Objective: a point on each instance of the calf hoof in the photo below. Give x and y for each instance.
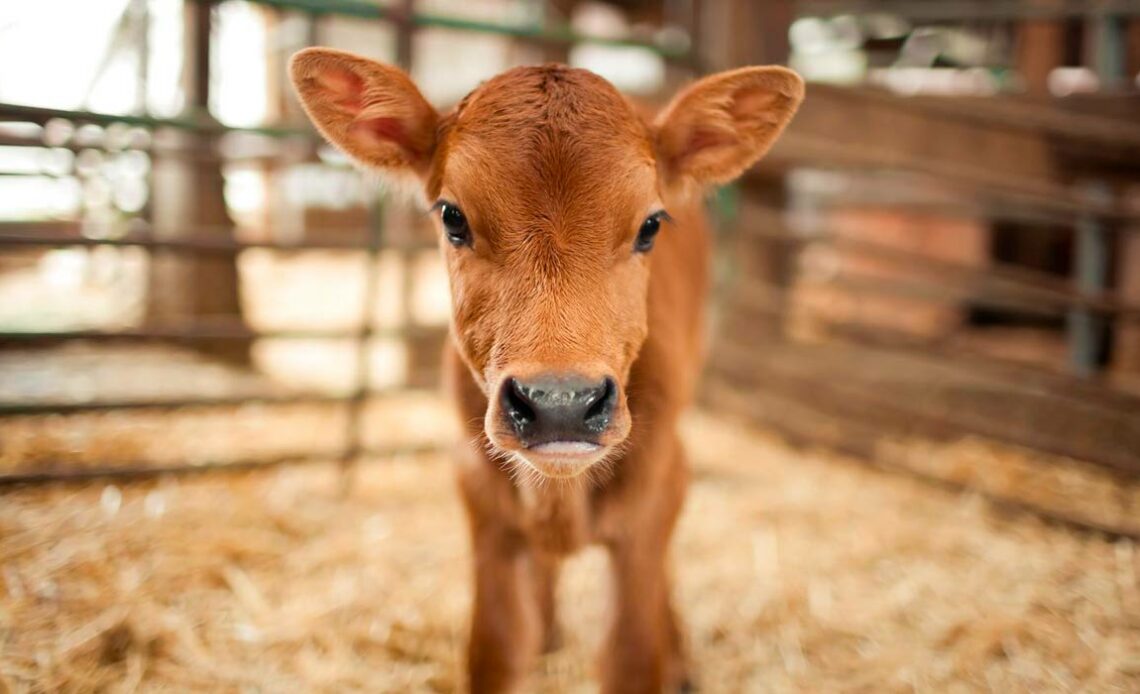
(686, 686)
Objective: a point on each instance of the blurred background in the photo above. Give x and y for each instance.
(917, 446)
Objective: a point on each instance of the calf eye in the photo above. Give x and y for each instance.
(648, 231)
(455, 225)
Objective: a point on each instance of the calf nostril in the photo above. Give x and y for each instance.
(602, 409)
(516, 405)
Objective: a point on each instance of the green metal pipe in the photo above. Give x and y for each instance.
(37, 114)
(967, 10)
(344, 8)
(559, 35)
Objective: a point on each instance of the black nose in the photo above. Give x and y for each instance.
(558, 408)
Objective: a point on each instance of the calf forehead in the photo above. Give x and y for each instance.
(553, 98)
(552, 134)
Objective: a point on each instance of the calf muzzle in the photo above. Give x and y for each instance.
(558, 409)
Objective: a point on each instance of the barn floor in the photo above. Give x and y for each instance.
(796, 571)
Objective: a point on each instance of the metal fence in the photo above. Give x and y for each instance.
(189, 243)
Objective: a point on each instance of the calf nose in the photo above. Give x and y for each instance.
(558, 408)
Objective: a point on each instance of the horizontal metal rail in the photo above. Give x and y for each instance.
(198, 243)
(137, 470)
(168, 152)
(208, 332)
(968, 10)
(41, 408)
(197, 123)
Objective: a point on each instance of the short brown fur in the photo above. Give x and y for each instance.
(555, 172)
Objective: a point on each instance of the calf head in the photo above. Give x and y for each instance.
(549, 189)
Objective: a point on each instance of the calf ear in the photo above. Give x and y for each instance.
(372, 112)
(719, 126)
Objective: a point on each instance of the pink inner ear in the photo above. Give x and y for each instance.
(756, 105)
(343, 88)
(703, 139)
(386, 130)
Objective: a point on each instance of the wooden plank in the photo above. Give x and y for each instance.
(744, 32)
(1126, 344)
(1019, 149)
(860, 127)
(804, 424)
(896, 390)
(1040, 48)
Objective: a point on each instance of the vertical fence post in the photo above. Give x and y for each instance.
(189, 194)
(1090, 250)
(354, 425)
(354, 431)
(405, 50)
(1108, 53)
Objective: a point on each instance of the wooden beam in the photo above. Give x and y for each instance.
(1027, 149)
(744, 32)
(877, 129)
(896, 391)
(192, 194)
(1040, 49)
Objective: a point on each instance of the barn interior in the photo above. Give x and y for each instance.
(224, 453)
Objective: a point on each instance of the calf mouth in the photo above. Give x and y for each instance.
(562, 459)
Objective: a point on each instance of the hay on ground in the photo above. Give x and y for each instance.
(796, 571)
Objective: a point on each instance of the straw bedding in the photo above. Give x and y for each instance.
(796, 571)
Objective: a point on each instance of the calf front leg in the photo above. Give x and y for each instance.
(642, 647)
(506, 625)
(645, 649)
(545, 579)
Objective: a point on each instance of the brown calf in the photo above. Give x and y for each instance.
(576, 328)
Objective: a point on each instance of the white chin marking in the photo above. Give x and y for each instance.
(563, 459)
(571, 448)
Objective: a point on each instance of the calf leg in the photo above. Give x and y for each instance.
(677, 677)
(638, 654)
(506, 624)
(645, 649)
(545, 585)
